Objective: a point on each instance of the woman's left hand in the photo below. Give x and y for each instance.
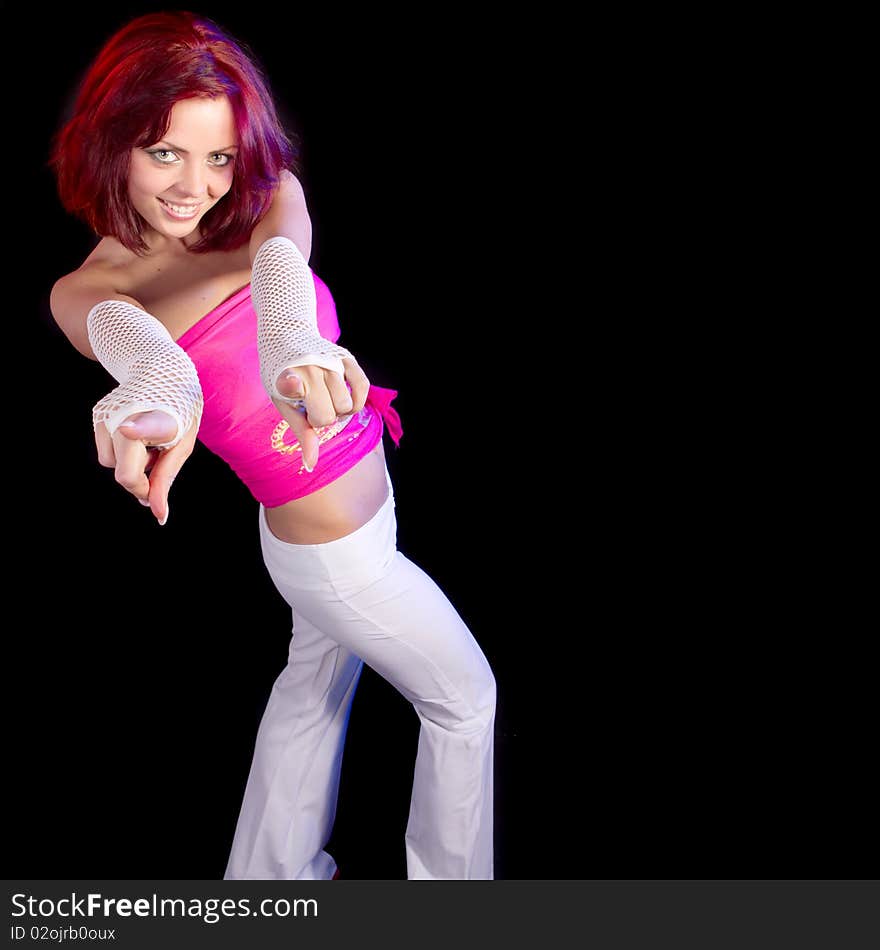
(325, 395)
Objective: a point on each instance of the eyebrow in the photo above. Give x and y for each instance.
(183, 151)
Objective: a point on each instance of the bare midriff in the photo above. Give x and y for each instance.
(336, 510)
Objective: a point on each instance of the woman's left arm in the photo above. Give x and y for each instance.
(287, 217)
(283, 295)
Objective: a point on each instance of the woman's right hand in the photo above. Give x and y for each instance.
(141, 468)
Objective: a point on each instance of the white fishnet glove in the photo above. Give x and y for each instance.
(154, 373)
(283, 295)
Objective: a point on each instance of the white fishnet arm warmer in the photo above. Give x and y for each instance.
(283, 294)
(152, 370)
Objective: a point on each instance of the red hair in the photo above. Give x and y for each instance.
(124, 101)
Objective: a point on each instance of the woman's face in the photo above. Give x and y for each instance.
(175, 181)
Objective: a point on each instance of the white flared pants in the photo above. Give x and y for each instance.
(358, 600)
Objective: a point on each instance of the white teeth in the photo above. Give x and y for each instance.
(183, 211)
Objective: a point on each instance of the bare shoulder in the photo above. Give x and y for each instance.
(289, 195)
(290, 187)
(73, 295)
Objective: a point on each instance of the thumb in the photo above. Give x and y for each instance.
(154, 426)
(290, 385)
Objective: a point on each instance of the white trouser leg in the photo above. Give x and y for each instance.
(372, 602)
(296, 766)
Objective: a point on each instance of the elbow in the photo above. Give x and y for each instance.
(76, 331)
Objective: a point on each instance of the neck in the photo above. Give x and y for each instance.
(162, 244)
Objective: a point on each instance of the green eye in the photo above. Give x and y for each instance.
(156, 152)
(161, 151)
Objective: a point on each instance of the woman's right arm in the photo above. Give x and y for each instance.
(159, 399)
(71, 299)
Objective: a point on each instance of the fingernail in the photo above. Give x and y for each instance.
(308, 468)
(167, 512)
(145, 502)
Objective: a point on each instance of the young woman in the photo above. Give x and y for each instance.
(199, 300)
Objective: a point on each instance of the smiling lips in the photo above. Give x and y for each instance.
(180, 211)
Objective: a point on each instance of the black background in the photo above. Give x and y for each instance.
(660, 712)
(145, 654)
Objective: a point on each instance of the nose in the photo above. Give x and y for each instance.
(193, 182)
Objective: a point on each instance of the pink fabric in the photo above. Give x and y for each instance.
(240, 422)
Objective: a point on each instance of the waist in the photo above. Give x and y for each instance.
(267, 457)
(339, 508)
(244, 427)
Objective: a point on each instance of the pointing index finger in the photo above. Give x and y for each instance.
(131, 459)
(304, 432)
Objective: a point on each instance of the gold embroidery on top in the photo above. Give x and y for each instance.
(325, 433)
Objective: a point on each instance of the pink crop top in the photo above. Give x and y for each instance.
(241, 424)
